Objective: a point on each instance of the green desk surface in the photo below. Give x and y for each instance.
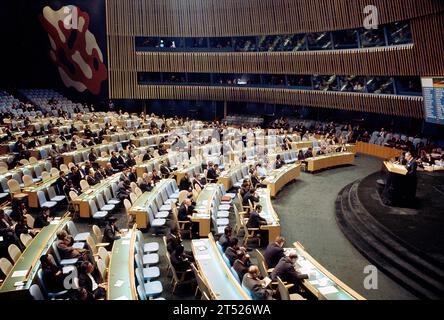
(329, 287)
(268, 212)
(215, 272)
(204, 201)
(42, 185)
(142, 203)
(30, 258)
(98, 188)
(121, 278)
(276, 174)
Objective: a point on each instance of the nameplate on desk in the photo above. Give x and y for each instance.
(126, 242)
(198, 243)
(54, 222)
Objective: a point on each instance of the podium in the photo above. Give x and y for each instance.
(400, 187)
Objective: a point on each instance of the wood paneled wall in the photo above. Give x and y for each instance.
(254, 17)
(129, 18)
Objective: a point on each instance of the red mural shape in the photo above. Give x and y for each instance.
(74, 48)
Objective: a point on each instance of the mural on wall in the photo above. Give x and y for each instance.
(74, 48)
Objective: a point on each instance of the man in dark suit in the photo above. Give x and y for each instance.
(174, 240)
(164, 170)
(212, 175)
(412, 167)
(274, 252)
(224, 239)
(184, 213)
(61, 181)
(309, 153)
(279, 163)
(256, 221)
(185, 183)
(286, 271)
(115, 162)
(255, 285)
(231, 252)
(250, 195)
(110, 233)
(242, 263)
(109, 169)
(91, 179)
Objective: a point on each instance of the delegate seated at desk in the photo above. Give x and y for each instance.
(286, 271)
(256, 285)
(250, 195)
(255, 221)
(111, 233)
(274, 252)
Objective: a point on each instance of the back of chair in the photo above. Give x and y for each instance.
(200, 282)
(283, 291)
(25, 239)
(84, 185)
(73, 195)
(30, 220)
(41, 196)
(33, 160)
(36, 292)
(54, 172)
(45, 175)
(14, 186)
(104, 255)
(102, 269)
(91, 244)
(14, 252)
(133, 197)
(27, 181)
(97, 233)
(182, 196)
(5, 266)
(127, 205)
(138, 192)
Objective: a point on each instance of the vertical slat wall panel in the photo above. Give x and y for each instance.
(127, 19)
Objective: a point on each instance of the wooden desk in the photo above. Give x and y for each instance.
(320, 279)
(377, 150)
(203, 209)
(140, 207)
(302, 144)
(395, 168)
(278, 178)
(33, 200)
(149, 165)
(121, 269)
(30, 261)
(329, 161)
(192, 169)
(225, 177)
(273, 224)
(83, 200)
(215, 272)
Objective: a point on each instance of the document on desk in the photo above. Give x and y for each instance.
(199, 243)
(118, 283)
(204, 257)
(327, 290)
(19, 273)
(125, 242)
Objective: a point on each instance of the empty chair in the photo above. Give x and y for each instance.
(54, 172)
(36, 292)
(133, 198)
(149, 289)
(14, 186)
(127, 205)
(97, 233)
(43, 202)
(148, 273)
(104, 255)
(33, 160)
(14, 252)
(78, 236)
(84, 185)
(45, 175)
(109, 198)
(27, 181)
(138, 192)
(53, 196)
(96, 214)
(283, 292)
(147, 247)
(149, 258)
(5, 266)
(102, 205)
(25, 239)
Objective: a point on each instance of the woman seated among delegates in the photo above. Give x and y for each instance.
(66, 251)
(91, 281)
(255, 285)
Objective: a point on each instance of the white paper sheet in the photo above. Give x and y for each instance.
(19, 273)
(118, 283)
(204, 257)
(327, 290)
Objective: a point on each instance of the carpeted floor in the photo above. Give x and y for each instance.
(418, 225)
(307, 212)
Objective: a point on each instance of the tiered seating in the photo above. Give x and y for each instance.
(51, 101)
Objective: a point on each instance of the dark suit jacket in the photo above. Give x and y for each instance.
(255, 220)
(273, 254)
(109, 235)
(249, 196)
(184, 184)
(182, 213)
(60, 184)
(241, 268)
(258, 292)
(230, 253)
(114, 162)
(211, 174)
(172, 243)
(286, 271)
(85, 282)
